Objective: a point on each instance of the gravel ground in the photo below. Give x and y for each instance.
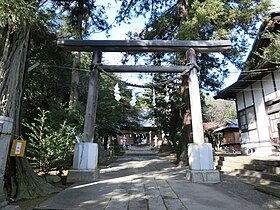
(233, 186)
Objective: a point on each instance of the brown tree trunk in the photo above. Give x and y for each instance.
(13, 64)
(187, 121)
(14, 46)
(75, 79)
(183, 9)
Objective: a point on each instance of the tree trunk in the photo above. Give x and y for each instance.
(21, 181)
(187, 121)
(75, 79)
(183, 9)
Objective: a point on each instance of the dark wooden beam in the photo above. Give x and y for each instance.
(202, 46)
(152, 69)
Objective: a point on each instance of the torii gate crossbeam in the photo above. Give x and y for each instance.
(201, 46)
(201, 157)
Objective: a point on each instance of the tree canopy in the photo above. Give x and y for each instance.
(202, 20)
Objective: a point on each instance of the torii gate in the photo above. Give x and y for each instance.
(200, 153)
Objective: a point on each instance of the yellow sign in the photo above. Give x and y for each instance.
(18, 148)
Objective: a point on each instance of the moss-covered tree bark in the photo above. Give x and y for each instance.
(21, 181)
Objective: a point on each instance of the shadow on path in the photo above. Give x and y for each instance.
(146, 182)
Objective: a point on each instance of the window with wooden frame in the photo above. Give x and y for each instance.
(247, 119)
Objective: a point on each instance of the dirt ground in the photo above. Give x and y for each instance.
(30, 204)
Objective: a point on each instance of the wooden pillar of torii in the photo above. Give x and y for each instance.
(200, 153)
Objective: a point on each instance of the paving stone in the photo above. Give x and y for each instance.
(156, 203)
(117, 204)
(142, 183)
(174, 204)
(138, 204)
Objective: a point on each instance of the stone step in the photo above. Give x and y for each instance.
(226, 168)
(265, 168)
(11, 207)
(233, 165)
(256, 174)
(273, 170)
(243, 162)
(255, 167)
(139, 148)
(234, 159)
(273, 177)
(269, 189)
(140, 154)
(263, 174)
(263, 185)
(275, 163)
(246, 173)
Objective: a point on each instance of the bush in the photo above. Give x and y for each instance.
(49, 148)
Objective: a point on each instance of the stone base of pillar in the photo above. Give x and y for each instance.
(82, 176)
(84, 163)
(212, 176)
(85, 156)
(201, 164)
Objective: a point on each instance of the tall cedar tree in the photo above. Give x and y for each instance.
(81, 17)
(16, 21)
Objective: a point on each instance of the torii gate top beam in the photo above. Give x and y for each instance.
(202, 46)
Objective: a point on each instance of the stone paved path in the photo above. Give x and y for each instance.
(142, 183)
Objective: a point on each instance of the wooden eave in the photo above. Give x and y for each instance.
(256, 69)
(243, 82)
(138, 46)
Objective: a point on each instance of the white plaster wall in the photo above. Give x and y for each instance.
(245, 138)
(248, 97)
(271, 96)
(267, 84)
(268, 88)
(254, 138)
(240, 101)
(277, 79)
(262, 119)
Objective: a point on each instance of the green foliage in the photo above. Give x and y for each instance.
(168, 116)
(271, 53)
(111, 113)
(15, 12)
(49, 148)
(132, 8)
(218, 111)
(214, 138)
(81, 18)
(207, 20)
